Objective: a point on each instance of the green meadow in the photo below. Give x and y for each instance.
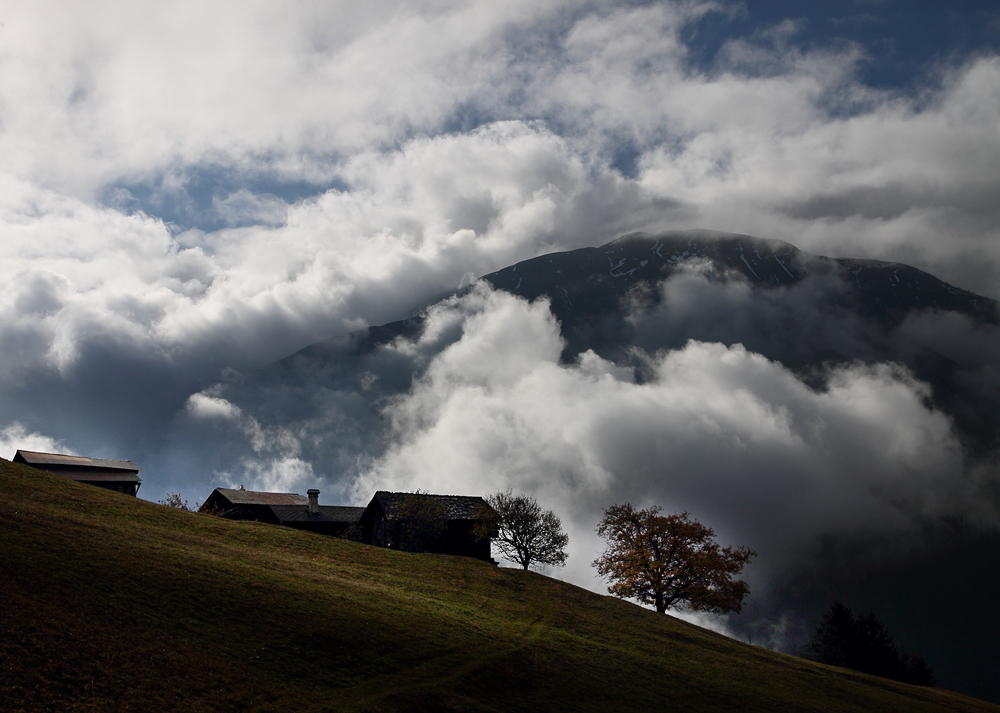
(109, 603)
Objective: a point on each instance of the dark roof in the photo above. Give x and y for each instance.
(456, 507)
(327, 513)
(37, 459)
(252, 497)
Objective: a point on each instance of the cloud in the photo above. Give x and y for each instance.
(120, 91)
(282, 475)
(233, 125)
(895, 180)
(202, 405)
(15, 437)
(812, 322)
(734, 438)
(185, 305)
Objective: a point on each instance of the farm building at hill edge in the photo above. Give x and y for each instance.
(289, 509)
(415, 522)
(122, 476)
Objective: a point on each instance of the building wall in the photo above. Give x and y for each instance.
(457, 537)
(117, 486)
(79, 475)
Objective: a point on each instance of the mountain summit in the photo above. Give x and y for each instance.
(806, 311)
(593, 290)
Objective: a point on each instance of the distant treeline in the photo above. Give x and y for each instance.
(863, 644)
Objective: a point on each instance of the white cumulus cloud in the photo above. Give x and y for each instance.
(736, 439)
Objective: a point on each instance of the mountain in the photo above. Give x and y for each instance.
(598, 286)
(805, 311)
(595, 285)
(114, 604)
(642, 294)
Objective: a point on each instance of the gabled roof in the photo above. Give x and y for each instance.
(327, 513)
(253, 497)
(456, 507)
(56, 459)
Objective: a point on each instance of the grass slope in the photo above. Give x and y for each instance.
(109, 603)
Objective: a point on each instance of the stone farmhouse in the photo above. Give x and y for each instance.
(414, 522)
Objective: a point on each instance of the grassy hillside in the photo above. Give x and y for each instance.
(109, 603)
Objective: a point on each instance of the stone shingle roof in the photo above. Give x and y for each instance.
(456, 507)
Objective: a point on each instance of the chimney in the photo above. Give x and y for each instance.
(313, 494)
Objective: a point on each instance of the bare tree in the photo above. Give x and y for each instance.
(522, 532)
(174, 500)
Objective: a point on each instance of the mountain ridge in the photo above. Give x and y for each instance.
(881, 292)
(600, 294)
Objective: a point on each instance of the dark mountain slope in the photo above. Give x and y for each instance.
(592, 289)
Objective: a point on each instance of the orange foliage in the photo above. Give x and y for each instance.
(669, 561)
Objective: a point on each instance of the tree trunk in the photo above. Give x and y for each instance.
(661, 607)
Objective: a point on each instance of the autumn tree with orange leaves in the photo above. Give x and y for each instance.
(669, 561)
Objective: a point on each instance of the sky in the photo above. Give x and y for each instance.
(192, 191)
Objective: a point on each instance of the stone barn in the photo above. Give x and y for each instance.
(420, 522)
(122, 476)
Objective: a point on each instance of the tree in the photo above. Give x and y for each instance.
(174, 500)
(522, 532)
(864, 644)
(916, 670)
(669, 561)
(876, 651)
(835, 639)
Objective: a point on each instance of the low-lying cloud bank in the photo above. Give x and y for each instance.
(736, 439)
